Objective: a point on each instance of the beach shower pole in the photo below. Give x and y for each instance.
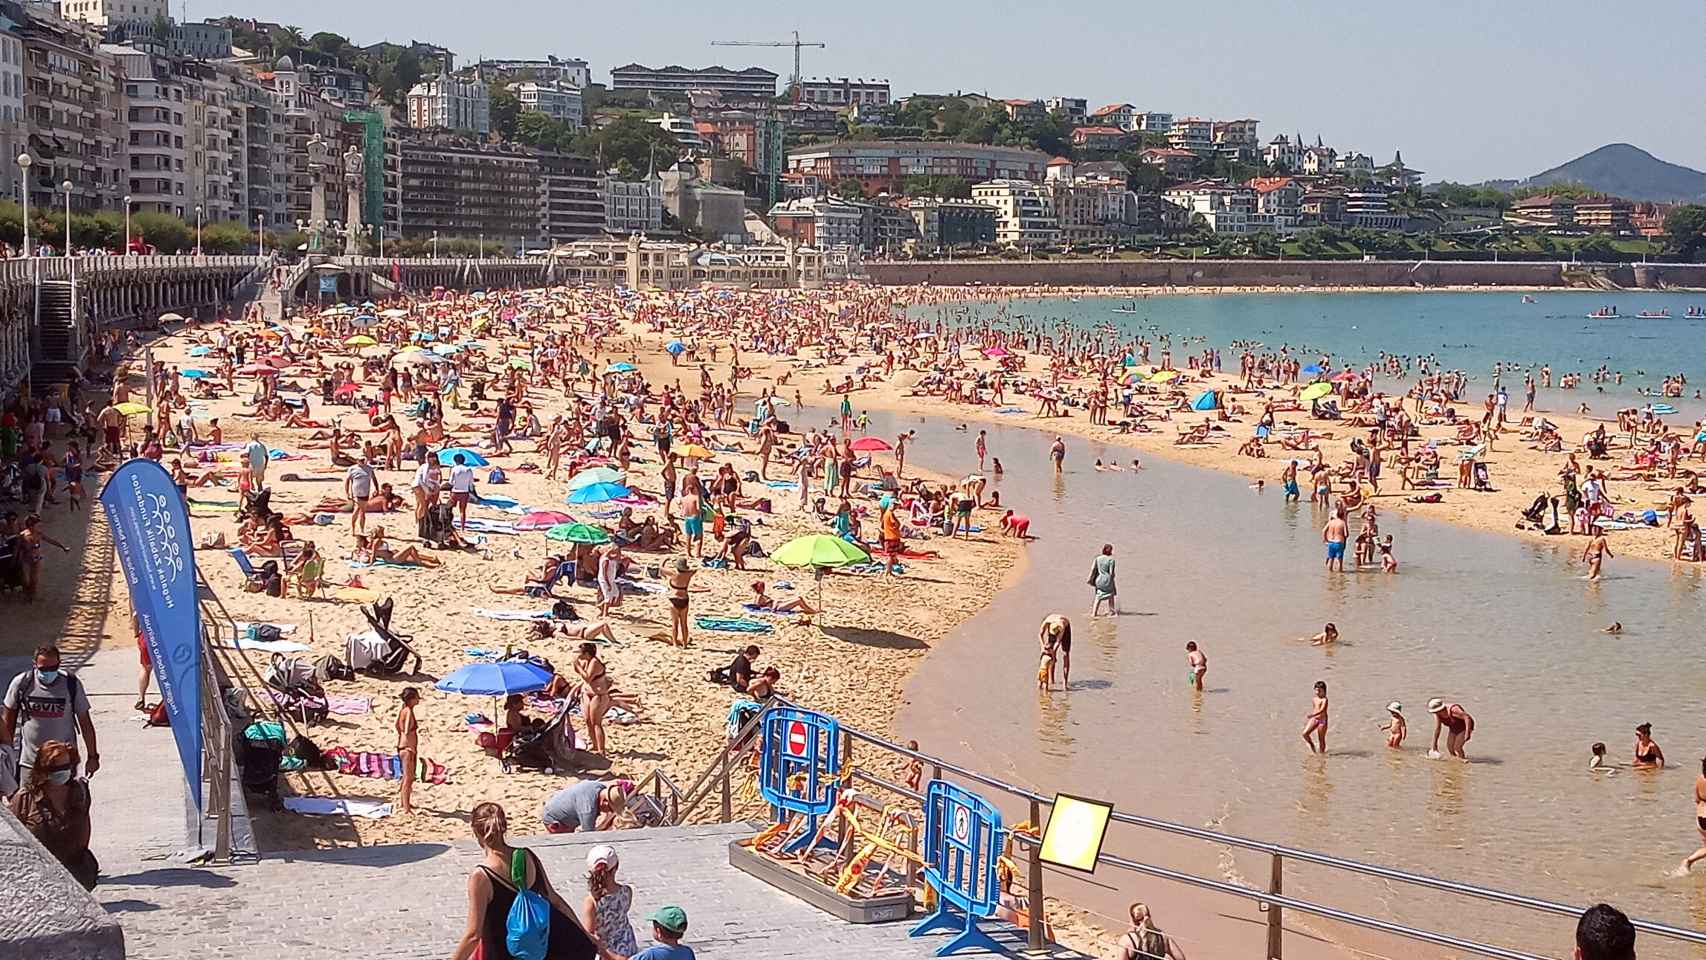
(1034, 940)
(1275, 886)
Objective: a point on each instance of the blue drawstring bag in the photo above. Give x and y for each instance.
(527, 930)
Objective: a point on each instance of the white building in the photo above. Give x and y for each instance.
(1192, 133)
(1024, 212)
(1227, 209)
(1153, 122)
(564, 71)
(844, 92)
(1283, 151)
(1279, 204)
(12, 139)
(1072, 108)
(444, 102)
(105, 12)
(684, 128)
(557, 101)
(1318, 160)
(633, 206)
(1121, 115)
(158, 127)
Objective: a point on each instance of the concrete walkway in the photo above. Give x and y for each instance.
(410, 901)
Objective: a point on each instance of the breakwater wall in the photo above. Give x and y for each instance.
(1287, 273)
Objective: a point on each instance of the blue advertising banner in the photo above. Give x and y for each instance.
(151, 535)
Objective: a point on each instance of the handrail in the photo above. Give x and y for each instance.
(742, 743)
(1272, 899)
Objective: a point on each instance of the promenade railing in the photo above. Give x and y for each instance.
(718, 778)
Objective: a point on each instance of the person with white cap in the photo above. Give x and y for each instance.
(605, 911)
(1460, 726)
(1396, 727)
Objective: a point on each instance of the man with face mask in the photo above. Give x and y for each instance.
(52, 706)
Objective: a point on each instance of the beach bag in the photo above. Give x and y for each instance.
(329, 667)
(527, 929)
(158, 716)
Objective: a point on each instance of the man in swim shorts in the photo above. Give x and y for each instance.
(1288, 480)
(1334, 534)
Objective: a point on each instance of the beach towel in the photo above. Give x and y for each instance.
(506, 504)
(327, 807)
(639, 587)
(872, 567)
(246, 628)
(492, 526)
(1012, 410)
(513, 614)
(731, 625)
(343, 706)
(266, 646)
(384, 766)
(782, 484)
(365, 565)
(919, 555)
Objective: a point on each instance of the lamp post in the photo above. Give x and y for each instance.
(198, 229)
(127, 224)
(66, 186)
(435, 244)
(261, 232)
(482, 245)
(24, 167)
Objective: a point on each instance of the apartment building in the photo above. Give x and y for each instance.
(1024, 212)
(564, 71)
(1542, 211)
(1605, 213)
(1153, 122)
(1173, 162)
(302, 114)
(1024, 111)
(1074, 109)
(1120, 115)
(571, 198)
(1225, 208)
(12, 124)
(1192, 133)
(633, 206)
(1237, 140)
(883, 165)
(454, 187)
(742, 135)
(74, 115)
(1101, 139)
(1279, 204)
(447, 103)
(840, 93)
(820, 222)
(556, 100)
(946, 224)
(104, 12)
(1369, 209)
(749, 82)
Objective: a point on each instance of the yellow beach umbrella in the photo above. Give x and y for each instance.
(360, 340)
(1162, 376)
(131, 408)
(1315, 391)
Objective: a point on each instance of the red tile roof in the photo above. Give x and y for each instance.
(1268, 184)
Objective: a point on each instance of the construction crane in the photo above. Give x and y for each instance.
(772, 121)
(796, 43)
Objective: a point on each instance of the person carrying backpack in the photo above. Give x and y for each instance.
(513, 911)
(51, 705)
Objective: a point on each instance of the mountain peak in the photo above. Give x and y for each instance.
(1627, 171)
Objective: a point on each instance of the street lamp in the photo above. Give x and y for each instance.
(66, 186)
(127, 224)
(482, 246)
(261, 232)
(435, 244)
(24, 167)
(198, 229)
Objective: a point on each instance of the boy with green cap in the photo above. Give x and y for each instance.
(669, 925)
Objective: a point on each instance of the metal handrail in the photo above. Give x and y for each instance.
(1272, 899)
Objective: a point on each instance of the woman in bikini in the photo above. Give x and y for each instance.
(408, 747)
(1648, 756)
(595, 693)
(763, 601)
(679, 582)
(377, 551)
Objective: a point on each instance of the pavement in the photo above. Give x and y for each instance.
(410, 900)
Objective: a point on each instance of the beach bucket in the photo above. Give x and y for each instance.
(654, 571)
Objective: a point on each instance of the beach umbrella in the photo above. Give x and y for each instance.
(1347, 375)
(1163, 376)
(473, 458)
(445, 349)
(1207, 400)
(1313, 369)
(995, 352)
(360, 340)
(170, 317)
(498, 679)
(395, 312)
(675, 346)
(694, 451)
(820, 551)
(871, 445)
(542, 520)
(599, 492)
(592, 475)
(258, 370)
(1315, 391)
(520, 363)
(423, 335)
(131, 408)
(578, 533)
(623, 367)
(365, 320)
(194, 373)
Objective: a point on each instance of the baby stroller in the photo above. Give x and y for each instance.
(438, 527)
(386, 657)
(548, 746)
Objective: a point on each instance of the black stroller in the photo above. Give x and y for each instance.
(398, 648)
(548, 746)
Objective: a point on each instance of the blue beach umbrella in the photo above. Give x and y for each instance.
(496, 679)
(472, 457)
(599, 492)
(623, 367)
(592, 475)
(194, 374)
(1313, 369)
(1207, 400)
(675, 346)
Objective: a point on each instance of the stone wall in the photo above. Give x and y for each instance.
(1284, 273)
(47, 915)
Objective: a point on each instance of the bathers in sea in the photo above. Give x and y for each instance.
(1336, 550)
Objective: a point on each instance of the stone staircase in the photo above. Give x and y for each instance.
(60, 347)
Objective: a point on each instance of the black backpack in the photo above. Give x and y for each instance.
(73, 688)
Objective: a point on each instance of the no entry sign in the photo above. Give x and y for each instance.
(797, 738)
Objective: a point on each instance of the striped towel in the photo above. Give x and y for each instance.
(384, 766)
(513, 614)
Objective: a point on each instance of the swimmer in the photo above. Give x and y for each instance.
(1258, 485)
(1615, 628)
(1597, 761)
(995, 465)
(1316, 719)
(1388, 563)
(1395, 728)
(1196, 663)
(1328, 636)
(1136, 464)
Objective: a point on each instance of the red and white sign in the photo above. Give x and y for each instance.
(797, 738)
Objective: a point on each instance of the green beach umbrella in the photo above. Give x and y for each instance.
(592, 475)
(1315, 391)
(578, 533)
(819, 551)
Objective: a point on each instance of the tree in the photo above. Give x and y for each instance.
(163, 232)
(630, 143)
(226, 237)
(505, 110)
(850, 189)
(936, 186)
(1685, 231)
(541, 130)
(1597, 247)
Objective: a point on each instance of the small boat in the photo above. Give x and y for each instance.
(1125, 309)
(1653, 315)
(1527, 298)
(1605, 313)
(1662, 409)
(1695, 313)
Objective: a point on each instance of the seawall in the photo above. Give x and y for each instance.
(1297, 273)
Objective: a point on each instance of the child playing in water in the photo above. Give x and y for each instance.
(1197, 664)
(1045, 667)
(1598, 761)
(1317, 719)
(1388, 563)
(1329, 635)
(1396, 727)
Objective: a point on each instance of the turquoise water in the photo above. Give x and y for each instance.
(1465, 331)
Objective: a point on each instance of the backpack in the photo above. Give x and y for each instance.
(527, 929)
(304, 749)
(329, 667)
(158, 716)
(73, 689)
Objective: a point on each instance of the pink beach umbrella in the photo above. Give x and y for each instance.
(871, 445)
(542, 520)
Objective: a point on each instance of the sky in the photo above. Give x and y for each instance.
(1468, 91)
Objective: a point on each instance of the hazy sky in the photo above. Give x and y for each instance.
(1468, 90)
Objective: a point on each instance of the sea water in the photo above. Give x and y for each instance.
(1505, 626)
